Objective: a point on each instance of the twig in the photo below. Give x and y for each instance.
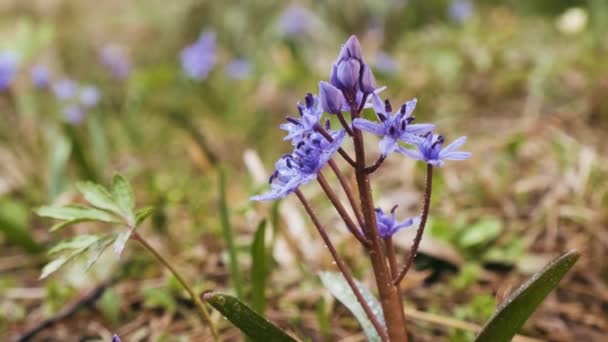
(87, 300)
(352, 227)
(348, 191)
(345, 272)
(420, 231)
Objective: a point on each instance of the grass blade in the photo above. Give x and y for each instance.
(511, 316)
(259, 270)
(235, 272)
(248, 321)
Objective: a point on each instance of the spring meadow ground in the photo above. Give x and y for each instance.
(185, 99)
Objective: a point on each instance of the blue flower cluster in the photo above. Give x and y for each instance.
(351, 88)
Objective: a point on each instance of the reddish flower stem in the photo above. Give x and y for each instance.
(343, 269)
(352, 227)
(423, 218)
(348, 191)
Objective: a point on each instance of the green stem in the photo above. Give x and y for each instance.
(197, 300)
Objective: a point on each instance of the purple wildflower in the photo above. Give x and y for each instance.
(430, 150)
(199, 58)
(73, 114)
(65, 89)
(302, 165)
(296, 20)
(460, 10)
(8, 68)
(310, 114)
(41, 76)
(385, 63)
(115, 338)
(349, 72)
(388, 224)
(393, 128)
(89, 96)
(115, 60)
(239, 69)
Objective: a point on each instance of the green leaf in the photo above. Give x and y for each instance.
(248, 321)
(98, 196)
(14, 223)
(513, 313)
(97, 249)
(483, 231)
(74, 214)
(123, 197)
(337, 285)
(235, 272)
(142, 214)
(259, 271)
(60, 155)
(121, 241)
(53, 266)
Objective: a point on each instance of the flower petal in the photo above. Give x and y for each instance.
(388, 145)
(419, 129)
(368, 126)
(414, 154)
(454, 145)
(455, 155)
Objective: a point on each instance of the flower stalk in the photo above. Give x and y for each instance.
(197, 300)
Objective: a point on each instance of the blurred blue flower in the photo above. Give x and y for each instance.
(393, 128)
(310, 114)
(41, 76)
(430, 150)
(296, 20)
(199, 58)
(73, 114)
(239, 69)
(89, 96)
(302, 165)
(115, 60)
(385, 63)
(65, 89)
(388, 224)
(460, 10)
(9, 61)
(115, 338)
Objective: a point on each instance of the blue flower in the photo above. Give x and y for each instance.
(349, 72)
(65, 89)
(302, 165)
(40, 76)
(89, 96)
(460, 10)
(115, 60)
(199, 58)
(310, 114)
(74, 114)
(8, 68)
(388, 224)
(393, 128)
(296, 20)
(115, 338)
(238, 69)
(430, 150)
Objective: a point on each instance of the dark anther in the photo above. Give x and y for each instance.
(381, 116)
(403, 109)
(391, 130)
(293, 121)
(300, 109)
(310, 100)
(394, 208)
(387, 106)
(273, 176)
(403, 123)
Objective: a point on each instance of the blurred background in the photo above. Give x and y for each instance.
(90, 88)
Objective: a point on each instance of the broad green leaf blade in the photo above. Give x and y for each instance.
(142, 214)
(121, 241)
(98, 196)
(248, 321)
(235, 272)
(79, 243)
(123, 197)
(513, 313)
(97, 249)
(258, 269)
(337, 285)
(53, 266)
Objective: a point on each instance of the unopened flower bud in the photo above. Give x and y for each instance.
(348, 74)
(368, 81)
(331, 98)
(351, 49)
